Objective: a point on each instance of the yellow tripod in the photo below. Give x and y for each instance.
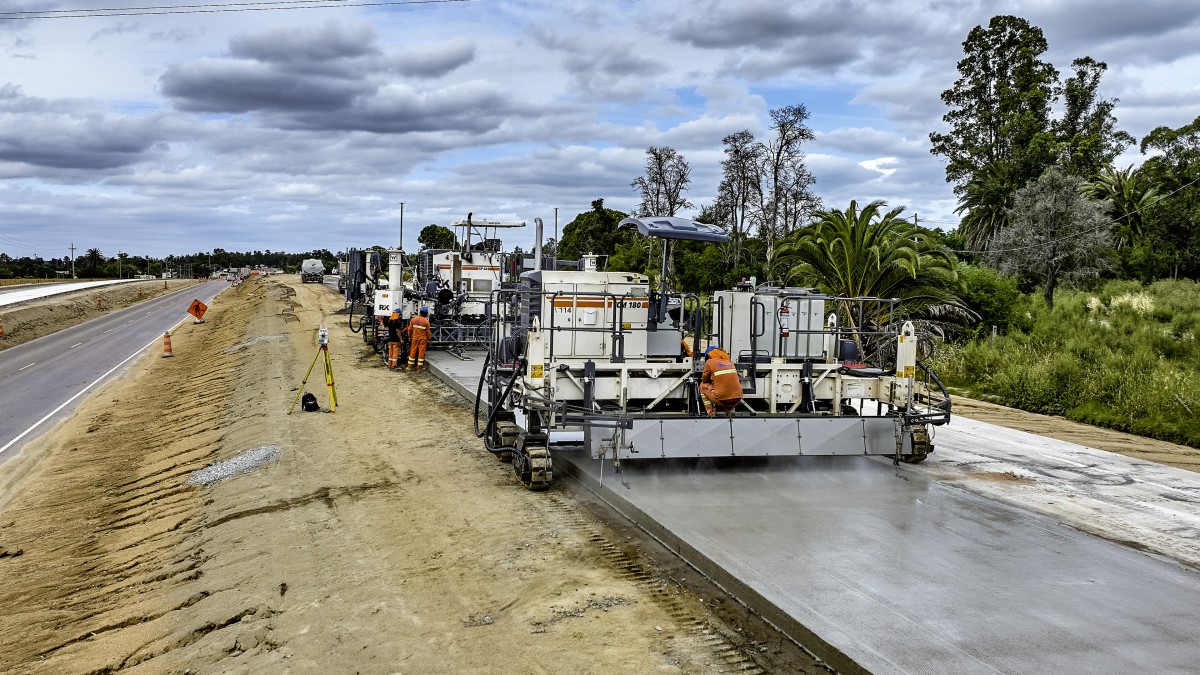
(323, 340)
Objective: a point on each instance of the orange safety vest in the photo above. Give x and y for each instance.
(724, 377)
(418, 328)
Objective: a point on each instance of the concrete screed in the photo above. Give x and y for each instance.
(892, 572)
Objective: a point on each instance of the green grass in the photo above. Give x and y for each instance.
(1125, 357)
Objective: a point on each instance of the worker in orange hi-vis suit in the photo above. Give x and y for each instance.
(395, 329)
(719, 385)
(418, 332)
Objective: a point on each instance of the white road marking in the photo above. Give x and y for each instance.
(24, 367)
(1166, 487)
(75, 345)
(81, 392)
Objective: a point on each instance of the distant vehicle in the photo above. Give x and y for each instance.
(312, 270)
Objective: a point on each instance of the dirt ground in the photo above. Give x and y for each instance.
(379, 538)
(31, 320)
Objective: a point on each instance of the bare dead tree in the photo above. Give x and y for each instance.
(667, 177)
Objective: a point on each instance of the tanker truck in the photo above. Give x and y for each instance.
(312, 270)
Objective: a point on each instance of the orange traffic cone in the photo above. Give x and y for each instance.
(167, 344)
(1, 327)
(98, 303)
(164, 284)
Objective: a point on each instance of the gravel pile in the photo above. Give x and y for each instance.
(242, 463)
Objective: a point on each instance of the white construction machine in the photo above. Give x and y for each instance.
(599, 358)
(457, 284)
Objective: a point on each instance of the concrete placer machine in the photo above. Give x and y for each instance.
(457, 284)
(599, 358)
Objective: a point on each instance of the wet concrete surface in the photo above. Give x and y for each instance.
(880, 569)
(24, 293)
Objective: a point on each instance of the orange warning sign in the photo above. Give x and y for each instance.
(197, 309)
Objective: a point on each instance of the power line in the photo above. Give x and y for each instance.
(207, 8)
(20, 243)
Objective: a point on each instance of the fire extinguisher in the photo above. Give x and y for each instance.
(784, 321)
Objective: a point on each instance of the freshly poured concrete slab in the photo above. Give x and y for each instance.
(1154, 506)
(36, 291)
(905, 575)
(896, 573)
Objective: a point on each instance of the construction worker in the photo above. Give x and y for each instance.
(395, 329)
(685, 348)
(418, 333)
(719, 385)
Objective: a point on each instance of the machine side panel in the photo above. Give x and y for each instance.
(832, 436)
(746, 437)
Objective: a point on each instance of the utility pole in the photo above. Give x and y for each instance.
(556, 237)
(72, 260)
(401, 226)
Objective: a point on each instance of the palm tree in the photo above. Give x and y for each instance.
(986, 201)
(855, 253)
(1128, 192)
(93, 257)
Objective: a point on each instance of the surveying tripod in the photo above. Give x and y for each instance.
(323, 340)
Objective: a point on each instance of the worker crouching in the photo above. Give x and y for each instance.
(418, 333)
(720, 387)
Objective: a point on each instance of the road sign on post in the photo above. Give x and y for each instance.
(197, 310)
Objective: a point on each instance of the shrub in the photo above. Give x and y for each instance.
(1124, 356)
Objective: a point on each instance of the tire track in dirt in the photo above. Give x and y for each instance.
(381, 538)
(120, 522)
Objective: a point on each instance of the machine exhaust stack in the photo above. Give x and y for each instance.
(396, 277)
(537, 247)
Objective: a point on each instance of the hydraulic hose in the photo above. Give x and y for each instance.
(359, 278)
(495, 409)
(479, 394)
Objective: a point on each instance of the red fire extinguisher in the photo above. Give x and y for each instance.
(784, 320)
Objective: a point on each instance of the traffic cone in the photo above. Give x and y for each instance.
(167, 344)
(1, 327)
(98, 302)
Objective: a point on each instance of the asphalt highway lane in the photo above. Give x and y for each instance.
(42, 381)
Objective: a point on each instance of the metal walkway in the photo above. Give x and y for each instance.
(879, 569)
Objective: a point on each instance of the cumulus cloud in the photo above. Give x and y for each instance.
(308, 45)
(333, 76)
(66, 134)
(281, 129)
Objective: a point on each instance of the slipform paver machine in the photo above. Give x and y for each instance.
(600, 358)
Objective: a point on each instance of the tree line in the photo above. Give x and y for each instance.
(1041, 202)
(94, 264)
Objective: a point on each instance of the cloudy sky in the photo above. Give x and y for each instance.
(306, 128)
